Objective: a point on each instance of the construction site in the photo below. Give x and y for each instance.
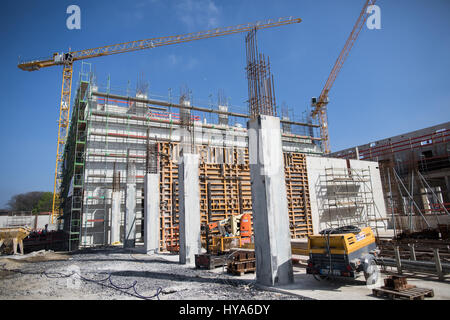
(166, 198)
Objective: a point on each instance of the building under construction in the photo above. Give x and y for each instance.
(113, 139)
(254, 189)
(415, 175)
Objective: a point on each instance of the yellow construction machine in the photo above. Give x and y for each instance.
(233, 231)
(343, 252)
(221, 237)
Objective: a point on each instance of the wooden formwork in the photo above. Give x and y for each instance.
(229, 182)
(297, 190)
(168, 196)
(226, 172)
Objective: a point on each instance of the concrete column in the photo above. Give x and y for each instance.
(130, 208)
(447, 185)
(115, 217)
(189, 201)
(269, 202)
(151, 213)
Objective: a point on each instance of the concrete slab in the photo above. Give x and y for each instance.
(341, 289)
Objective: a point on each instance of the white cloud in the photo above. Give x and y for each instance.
(196, 14)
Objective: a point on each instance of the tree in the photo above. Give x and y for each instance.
(36, 201)
(45, 202)
(24, 201)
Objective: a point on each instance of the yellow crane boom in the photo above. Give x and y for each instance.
(320, 105)
(58, 59)
(67, 59)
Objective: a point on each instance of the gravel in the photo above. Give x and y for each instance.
(49, 275)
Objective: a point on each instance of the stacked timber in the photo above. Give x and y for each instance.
(241, 261)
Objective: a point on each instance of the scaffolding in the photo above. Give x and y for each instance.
(349, 199)
(414, 175)
(72, 185)
(413, 204)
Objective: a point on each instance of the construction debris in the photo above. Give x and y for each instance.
(209, 261)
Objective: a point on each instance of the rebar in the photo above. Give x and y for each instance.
(261, 92)
(152, 156)
(116, 180)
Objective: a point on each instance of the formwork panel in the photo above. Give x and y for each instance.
(230, 191)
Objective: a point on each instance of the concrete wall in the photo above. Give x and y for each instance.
(320, 191)
(29, 221)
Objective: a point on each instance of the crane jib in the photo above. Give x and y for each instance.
(36, 64)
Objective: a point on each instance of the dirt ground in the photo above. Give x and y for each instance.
(115, 273)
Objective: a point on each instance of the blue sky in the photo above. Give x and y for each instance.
(395, 80)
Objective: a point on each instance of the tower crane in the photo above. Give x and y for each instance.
(67, 59)
(320, 104)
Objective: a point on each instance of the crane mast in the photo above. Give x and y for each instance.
(67, 59)
(320, 104)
